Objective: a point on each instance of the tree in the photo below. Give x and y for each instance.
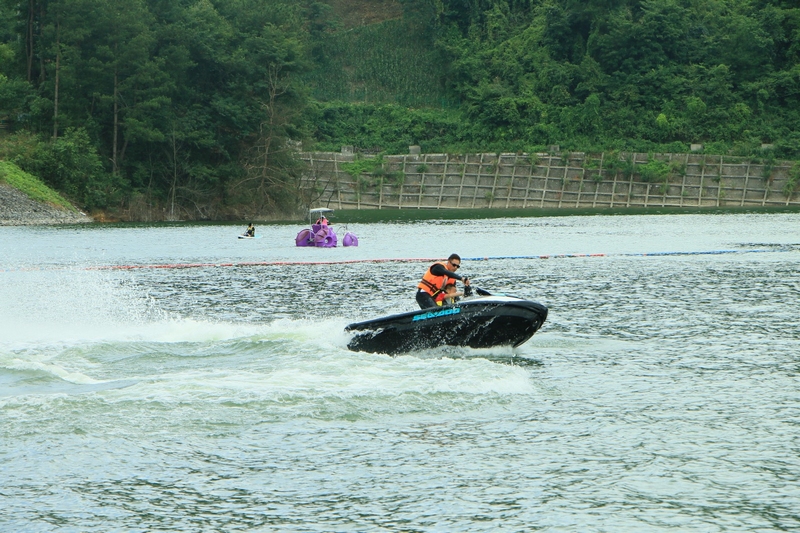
(70, 164)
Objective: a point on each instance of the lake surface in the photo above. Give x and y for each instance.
(662, 393)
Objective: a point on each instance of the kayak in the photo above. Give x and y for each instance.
(249, 237)
(481, 322)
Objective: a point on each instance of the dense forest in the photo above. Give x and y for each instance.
(195, 109)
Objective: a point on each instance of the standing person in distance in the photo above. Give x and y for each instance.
(435, 279)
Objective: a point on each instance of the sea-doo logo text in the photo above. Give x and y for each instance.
(432, 314)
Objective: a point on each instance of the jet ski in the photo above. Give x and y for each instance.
(485, 321)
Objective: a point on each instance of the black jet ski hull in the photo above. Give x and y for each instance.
(479, 323)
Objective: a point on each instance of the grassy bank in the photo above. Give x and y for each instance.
(36, 190)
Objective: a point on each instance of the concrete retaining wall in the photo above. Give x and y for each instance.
(569, 180)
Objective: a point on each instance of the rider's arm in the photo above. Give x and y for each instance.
(440, 270)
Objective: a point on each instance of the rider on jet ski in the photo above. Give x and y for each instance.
(435, 279)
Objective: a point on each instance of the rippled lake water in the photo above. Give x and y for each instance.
(662, 393)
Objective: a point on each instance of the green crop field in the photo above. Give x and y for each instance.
(387, 62)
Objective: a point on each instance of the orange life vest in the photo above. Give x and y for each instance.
(433, 285)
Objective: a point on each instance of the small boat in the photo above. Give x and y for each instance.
(485, 321)
(321, 233)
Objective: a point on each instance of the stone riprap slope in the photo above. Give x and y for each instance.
(17, 209)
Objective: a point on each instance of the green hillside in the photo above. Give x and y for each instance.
(185, 110)
(647, 75)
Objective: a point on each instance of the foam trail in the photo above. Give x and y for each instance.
(68, 306)
(78, 378)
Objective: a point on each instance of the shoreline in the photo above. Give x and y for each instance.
(17, 209)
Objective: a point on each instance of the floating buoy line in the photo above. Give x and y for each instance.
(791, 248)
